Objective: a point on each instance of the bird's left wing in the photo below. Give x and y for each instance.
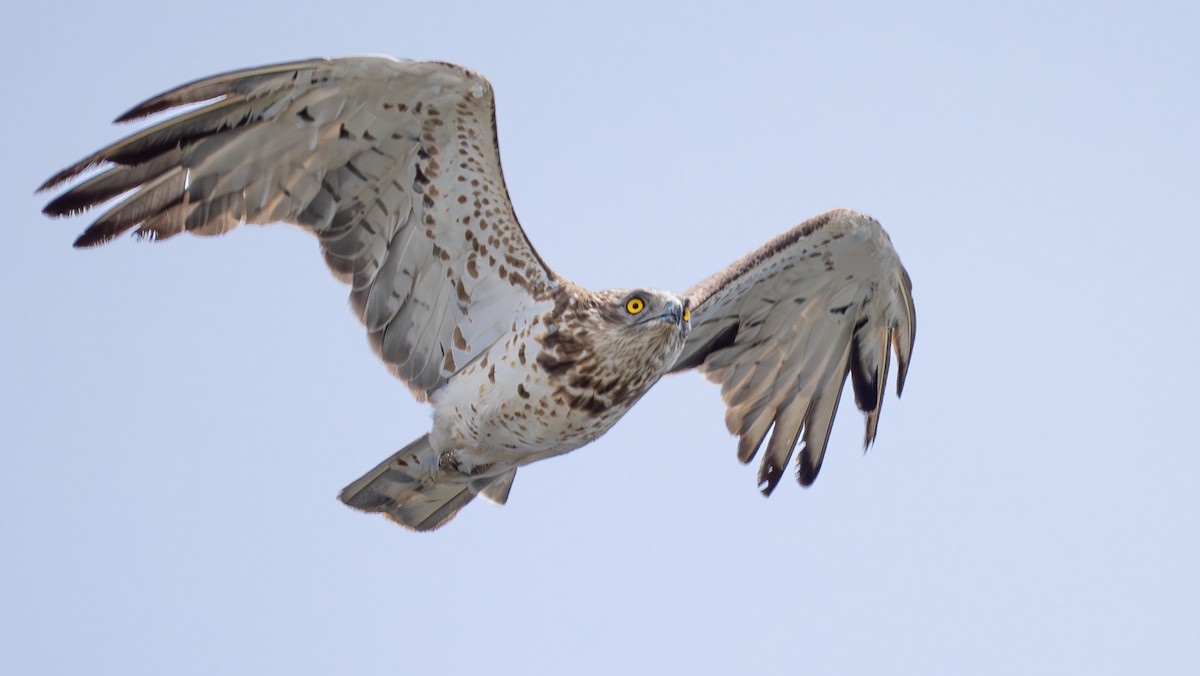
(781, 329)
(393, 165)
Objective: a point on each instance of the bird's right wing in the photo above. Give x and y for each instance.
(781, 329)
(395, 167)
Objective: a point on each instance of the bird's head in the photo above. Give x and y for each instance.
(648, 323)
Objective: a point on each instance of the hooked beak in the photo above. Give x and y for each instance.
(672, 313)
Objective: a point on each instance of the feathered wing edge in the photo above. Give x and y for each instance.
(792, 396)
(230, 86)
(150, 161)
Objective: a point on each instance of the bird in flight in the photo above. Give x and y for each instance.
(394, 167)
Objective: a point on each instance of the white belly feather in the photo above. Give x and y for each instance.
(502, 411)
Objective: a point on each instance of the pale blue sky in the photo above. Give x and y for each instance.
(179, 417)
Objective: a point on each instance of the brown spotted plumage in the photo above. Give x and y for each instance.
(394, 167)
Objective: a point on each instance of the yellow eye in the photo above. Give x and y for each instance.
(635, 305)
(687, 314)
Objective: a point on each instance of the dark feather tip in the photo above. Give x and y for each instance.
(68, 204)
(92, 237)
(60, 178)
(806, 472)
(143, 109)
(768, 478)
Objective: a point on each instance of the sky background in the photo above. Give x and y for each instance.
(178, 418)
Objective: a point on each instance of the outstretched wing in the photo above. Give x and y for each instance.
(783, 327)
(393, 165)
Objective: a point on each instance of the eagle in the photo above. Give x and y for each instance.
(394, 166)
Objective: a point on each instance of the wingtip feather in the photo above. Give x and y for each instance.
(90, 239)
(67, 174)
(905, 336)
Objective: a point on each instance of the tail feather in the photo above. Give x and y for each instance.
(400, 489)
(497, 489)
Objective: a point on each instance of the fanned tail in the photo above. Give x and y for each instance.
(400, 489)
